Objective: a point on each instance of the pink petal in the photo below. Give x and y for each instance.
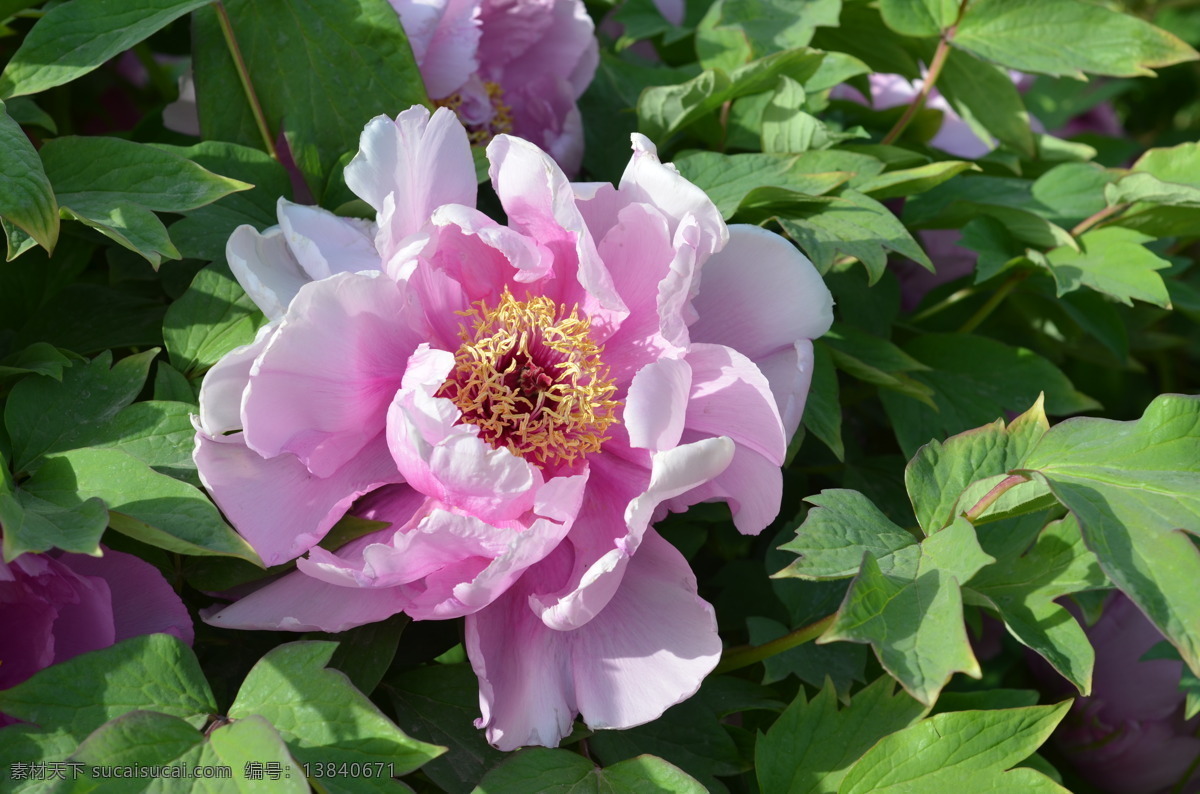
(142, 600)
(265, 267)
(444, 36)
(540, 204)
(751, 484)
(296, 602)
(525, 40)
(325, 244)
(656, 404)
(484, 256)
(760, 295)
(277, 504)
(731, 397)
(224, 384)
(321, 388)
(603, 546)
(444, 458)
(649, 649)
(789, 372)
(421, 162)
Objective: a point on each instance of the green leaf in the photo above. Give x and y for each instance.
(26, 112)
(1044, 36)
(910, 181)
(813, 744)
(842, 527)
(919, 17)
(823, 410)
(728, 179)
(26, 198)
(640, 19)
(288, 47)
(232, 750)
(153, 672)
(664, 110)
(564, 772)
(142, 503)
(213, 317)
(1072, 191)
(73, 39)
(985, 96)
(156, 432)
(855, 225)
(35, 525)
(205, 231)
(113, 184)
(940, 471)
(1138, 186)
(957, 202)
(734, 32)
(365, 653)
(912, 616)
(1178, 166)
(1024, 584)
(1134, 489)
(44, 416)
(1113, 261)
(320, 715)
(439, 703)
(959, 751)
(975, 379)
(25, 744)
(39, 358)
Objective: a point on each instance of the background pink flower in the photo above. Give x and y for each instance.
(54, 607)
(507, 66)
(519, 402)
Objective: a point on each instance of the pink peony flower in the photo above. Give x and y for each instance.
(54, 607)
(520, 402)
(1130, 736)
(507, 66)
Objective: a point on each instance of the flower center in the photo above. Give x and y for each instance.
(500, 121)
(529, 376)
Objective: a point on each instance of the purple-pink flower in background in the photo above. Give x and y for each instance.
(520, 402)
(55, 606)
(507, 66)
(1130, 735)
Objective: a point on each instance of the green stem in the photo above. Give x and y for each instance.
(244, 75)
(746, 655)
(991, 496)
(945, 303)
(1096, 218)
(984, 311)
(935, 71)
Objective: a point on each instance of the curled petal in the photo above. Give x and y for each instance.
(224, 384)
(325, 244)
(421, 162)
(648, 649)
(265, 267)
(321, 388)
(277, 504)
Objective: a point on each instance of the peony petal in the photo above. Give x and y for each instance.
(789, 373)
(444, 458)
(751, 484)
(224, 384)
(444, 35)
(602, 547)
(296, 602)
(760, 295)
(540, 204)
(422, 162)
(648, 650)
(325, 244)
(321, 388)
(143, 602)
(277, 504)
(731, 397)
(656, 404)
(265, 267)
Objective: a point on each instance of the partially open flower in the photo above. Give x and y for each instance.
(54, 607)
(519, 402)
(507, 66)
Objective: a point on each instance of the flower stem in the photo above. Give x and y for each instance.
(1096, 218)
(945, 303)
(976, 319)
(991, 496)
(935, 70)
(746, 655)
(244, 75)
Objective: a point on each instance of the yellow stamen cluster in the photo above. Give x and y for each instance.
(501, 122)
(529, 376)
